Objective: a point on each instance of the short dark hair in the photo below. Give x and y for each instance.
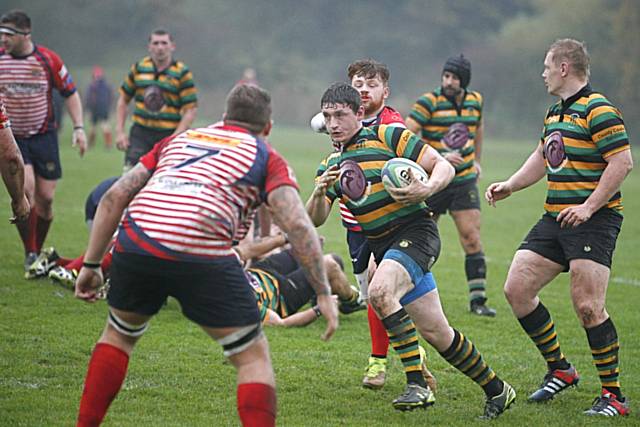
(18, 18)
(341, 93)
(369, 69)
(249, 106)
(160, 32)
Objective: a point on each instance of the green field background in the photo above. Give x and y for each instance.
(177, 376)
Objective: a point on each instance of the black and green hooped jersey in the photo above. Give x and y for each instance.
(377, 212)
(592, 129)
(436, 113)
(267, 289)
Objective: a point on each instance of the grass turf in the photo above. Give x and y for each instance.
(177, 376)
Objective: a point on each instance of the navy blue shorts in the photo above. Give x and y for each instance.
(416, 246)
(42, 152)
(141, 141)
(359, 250)
(594, 239)
(455, 198)
(214, 294)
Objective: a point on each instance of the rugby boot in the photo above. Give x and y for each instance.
(608, 405)
(375, 373)
(353, 305)
(44, 263)
(554, 382)
(414, 396)
(496, 405)
(66, 278)
(478, 306)
(29, 259)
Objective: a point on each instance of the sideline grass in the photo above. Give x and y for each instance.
(177, 376)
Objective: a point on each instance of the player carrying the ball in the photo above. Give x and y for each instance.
(371, 79)
(404, 240)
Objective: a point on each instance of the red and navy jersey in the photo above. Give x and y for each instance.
(386, 116)
(4, 119)
(205, 187)
(26, 83)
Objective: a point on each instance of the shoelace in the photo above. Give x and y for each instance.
(601, 402)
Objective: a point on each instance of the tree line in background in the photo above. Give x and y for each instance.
(298, 48)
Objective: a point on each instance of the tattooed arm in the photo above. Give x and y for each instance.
(289, 214)
(108, 215)
(12, 169)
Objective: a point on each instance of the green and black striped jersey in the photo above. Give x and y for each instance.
(377, 212)
(592, 130)
(177, 87)
(267, 289)
(436, 113)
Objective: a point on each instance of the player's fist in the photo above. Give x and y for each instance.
(122, 141)
(87, 284)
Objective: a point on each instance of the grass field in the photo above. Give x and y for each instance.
(177, 376)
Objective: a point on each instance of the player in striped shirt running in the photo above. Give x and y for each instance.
(585, 154)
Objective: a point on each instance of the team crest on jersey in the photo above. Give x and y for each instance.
(554, 151)
(353, 182)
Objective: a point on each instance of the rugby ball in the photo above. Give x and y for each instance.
(317, 123)
(395, 173)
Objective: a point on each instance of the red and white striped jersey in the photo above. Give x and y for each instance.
(25, 88)
(205, 187)
(4, 119)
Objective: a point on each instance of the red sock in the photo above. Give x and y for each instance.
(75, 264)
(107, 370)
(41, 231)
(24, 229)
(62, 261)
(379, 337)
(257, 405)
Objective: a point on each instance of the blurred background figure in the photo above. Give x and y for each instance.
(99, 99)
(249, 77)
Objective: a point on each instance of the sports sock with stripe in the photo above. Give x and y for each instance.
(465, 357)
(603, 340)
(404, 339)
(542, 331)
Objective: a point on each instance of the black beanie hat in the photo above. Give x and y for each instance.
(461, 67)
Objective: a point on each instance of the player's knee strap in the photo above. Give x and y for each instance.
(238, 341)
(126, 328)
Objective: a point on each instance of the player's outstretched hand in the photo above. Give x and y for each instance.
(21, 210)
(87, 284)
(329, 310)
(497, 191)
(79, 139)
(326, 180)
(416, 192)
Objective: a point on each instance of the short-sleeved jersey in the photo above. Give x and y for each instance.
(386, 116)
(26, 83)
(436, 113)
(177, 88)
(592, 130)
(267, 288)
(205, 184)
(4, 119)
(377, 212)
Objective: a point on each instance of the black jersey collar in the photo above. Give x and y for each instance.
(585, 91)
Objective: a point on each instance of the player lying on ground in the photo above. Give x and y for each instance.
(282, 288)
